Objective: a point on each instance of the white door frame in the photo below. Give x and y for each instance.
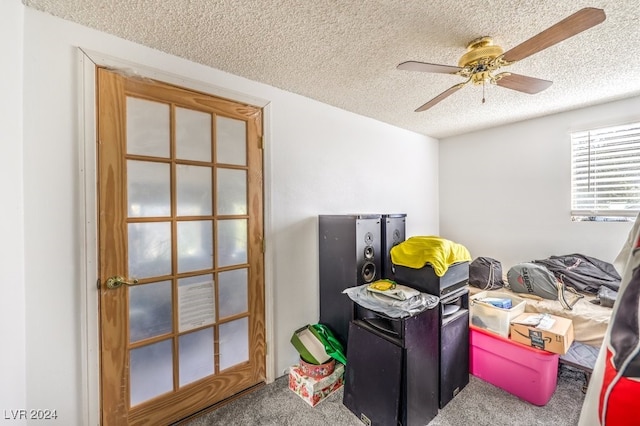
(89, 321)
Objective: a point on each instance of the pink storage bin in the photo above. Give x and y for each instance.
(528, 373)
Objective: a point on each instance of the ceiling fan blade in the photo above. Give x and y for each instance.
(425, 67)
(450, 91)
(580, 21)
(522, 83)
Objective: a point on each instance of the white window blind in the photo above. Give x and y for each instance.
(605, 173)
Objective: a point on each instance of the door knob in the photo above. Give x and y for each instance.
(117, 281)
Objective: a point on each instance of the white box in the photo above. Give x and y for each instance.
(492, 318)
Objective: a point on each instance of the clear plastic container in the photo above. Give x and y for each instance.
(492, 318)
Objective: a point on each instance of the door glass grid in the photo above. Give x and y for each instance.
(151, 371)
(148, 190)
(149, 249)
(231, 191)
(195, 245)
(233, 292)
(193, 135)
(234, 346)
(196, 302)
(158, 247)
(196, 355)
(150, 312)
(232, 242)
(230, 137)
(193, 190)
(148, 127)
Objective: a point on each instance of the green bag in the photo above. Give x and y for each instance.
(332, 345)
(316, 344)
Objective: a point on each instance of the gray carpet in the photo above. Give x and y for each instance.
(479, 403)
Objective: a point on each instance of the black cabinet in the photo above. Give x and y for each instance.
(426, 280)
(454, 321)
(392, 370)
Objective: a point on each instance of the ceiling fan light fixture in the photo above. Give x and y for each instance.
(482, 77)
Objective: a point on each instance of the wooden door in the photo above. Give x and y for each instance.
(180, 249)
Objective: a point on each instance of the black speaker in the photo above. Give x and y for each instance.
(391, 377)
(374, 377)
(454, 345)
(349, 255)
(393, 232)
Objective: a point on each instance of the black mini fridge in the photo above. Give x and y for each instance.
(392, 370)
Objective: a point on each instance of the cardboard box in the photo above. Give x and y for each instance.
(315, 390)
(309, 345)
(554, 336)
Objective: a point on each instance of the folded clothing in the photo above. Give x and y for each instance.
(415, 252)
(392, 289)
(390, 306)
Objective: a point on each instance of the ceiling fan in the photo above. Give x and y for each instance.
(483, 58)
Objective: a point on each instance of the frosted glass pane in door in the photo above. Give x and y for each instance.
(232, 242)
(151, 371)
(195, 245)
(196, 356)
(149, 310)
(149, 249)
(147, 127)
(193, 135)
(148, 189)
(234, 343)
(196, 302)
(231, 141)
(232, 290)
(231, 187)
(193, 190)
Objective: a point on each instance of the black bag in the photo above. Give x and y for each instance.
(532, 278)
(486, 273)
(605, 297)
(584, 273)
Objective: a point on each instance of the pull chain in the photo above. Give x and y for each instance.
(483, 91)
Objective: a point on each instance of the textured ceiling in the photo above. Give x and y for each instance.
(345, 53)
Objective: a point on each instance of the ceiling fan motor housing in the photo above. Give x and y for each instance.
(481, 49)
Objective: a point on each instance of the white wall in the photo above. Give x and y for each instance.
(505, 192)
(319, 160)
(12, 259)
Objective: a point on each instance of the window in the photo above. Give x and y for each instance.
(605, 173)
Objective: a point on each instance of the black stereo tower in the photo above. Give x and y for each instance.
(393, 233)
(349, 255)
